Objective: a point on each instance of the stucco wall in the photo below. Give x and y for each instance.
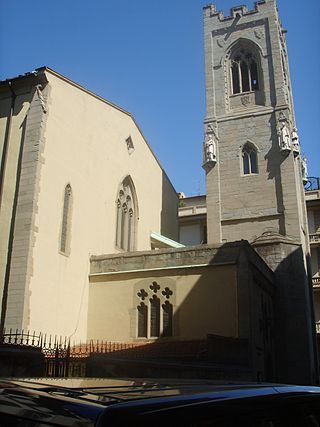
(86, 148)
(204, 301)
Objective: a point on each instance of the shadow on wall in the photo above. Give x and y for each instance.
(222, 316)
(274, 162)
(296, 354)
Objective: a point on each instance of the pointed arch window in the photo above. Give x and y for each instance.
(167, 314)
(126, 216)
(154, 317)
(142, 320)
(66, 221)
(244, 71)
(249, 159)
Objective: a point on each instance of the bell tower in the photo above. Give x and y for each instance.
(251, 150)
(253, 165)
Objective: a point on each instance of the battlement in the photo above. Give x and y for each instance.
(237, 11)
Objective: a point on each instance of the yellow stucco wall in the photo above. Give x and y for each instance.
(204, 301)
(85, 146)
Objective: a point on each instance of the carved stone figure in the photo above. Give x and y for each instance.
(210, 149)
(295, 142)
(209, 152)
(304, 170)
(284, 137)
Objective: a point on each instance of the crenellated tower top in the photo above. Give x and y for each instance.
(237, 11)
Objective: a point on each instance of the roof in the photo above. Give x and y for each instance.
(164, 242)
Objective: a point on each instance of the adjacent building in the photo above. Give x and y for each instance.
(313, 210)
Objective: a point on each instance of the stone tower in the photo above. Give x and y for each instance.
(254, 168)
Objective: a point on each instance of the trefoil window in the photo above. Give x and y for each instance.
(249, 160)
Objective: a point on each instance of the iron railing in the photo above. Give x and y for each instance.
(15, 337)
(313, 183)
(63, 359)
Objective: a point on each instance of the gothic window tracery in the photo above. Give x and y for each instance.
(126, 216)
(249, 159)
(154, 311)
(244, 71)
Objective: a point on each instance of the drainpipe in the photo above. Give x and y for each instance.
(2, 178)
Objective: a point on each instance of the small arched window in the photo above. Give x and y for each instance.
(167, 314)
(249, 159)
(142, 320)
(154, 317)
(66, 221)
(244, 71)
(126, 216)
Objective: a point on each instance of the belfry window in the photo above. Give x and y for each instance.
(249, 159)
(66, 221)
(244, 71)
(126, 216)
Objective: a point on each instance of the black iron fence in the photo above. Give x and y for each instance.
(26, 354)
(21, 338)
(60, 358)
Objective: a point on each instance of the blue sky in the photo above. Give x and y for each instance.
(147, 57)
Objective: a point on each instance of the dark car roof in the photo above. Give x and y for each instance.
(119, 402)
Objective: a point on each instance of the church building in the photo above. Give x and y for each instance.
(90, 238)
(72, 185)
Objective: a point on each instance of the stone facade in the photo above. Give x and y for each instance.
(256, 186)
(313, 209)
(237, 208)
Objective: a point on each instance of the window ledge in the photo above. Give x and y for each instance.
(235, 95)
(249, 174)
(66, 254)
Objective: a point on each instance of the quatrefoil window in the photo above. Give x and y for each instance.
(142, 294)
(154, 287)
(167, 292)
